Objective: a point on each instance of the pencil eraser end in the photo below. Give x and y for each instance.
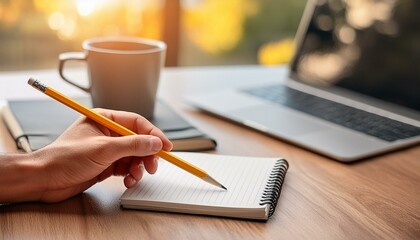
(31, 81)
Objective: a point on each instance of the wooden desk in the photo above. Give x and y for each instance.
(321, 198)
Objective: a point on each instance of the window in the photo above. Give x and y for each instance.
(212, 32)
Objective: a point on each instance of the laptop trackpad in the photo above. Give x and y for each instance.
(277, 120)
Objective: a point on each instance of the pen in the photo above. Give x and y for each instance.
(23, 143)
(106, 122)
(16, 131)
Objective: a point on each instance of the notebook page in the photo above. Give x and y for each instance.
(244, 177)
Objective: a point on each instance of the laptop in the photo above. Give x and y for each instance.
(353, 89)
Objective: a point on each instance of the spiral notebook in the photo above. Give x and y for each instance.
(254, 185)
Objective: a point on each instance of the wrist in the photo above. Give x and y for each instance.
(21, 178)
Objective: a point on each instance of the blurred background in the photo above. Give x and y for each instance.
(198, 32)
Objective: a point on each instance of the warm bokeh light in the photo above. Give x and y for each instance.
(80, 19)
(56, 20)
(346, 34)
(86, 7)
(212, 31)
(68, 30)
(10, 11)
(217, 25)
(362, 14)
(275, 53)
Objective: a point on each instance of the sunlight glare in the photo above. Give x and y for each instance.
(87, 7)
(56, 20)
(68, 29)
(275, 53)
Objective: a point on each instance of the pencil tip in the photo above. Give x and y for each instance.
(213, 182)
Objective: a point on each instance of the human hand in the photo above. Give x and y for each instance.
(87, 153)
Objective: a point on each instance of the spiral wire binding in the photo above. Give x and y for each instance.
(275, 181)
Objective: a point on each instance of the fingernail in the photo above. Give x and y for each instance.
(156, 144)
(132, 181)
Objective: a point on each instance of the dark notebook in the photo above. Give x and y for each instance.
(42, 121)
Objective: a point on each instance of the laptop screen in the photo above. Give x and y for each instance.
(369, 47)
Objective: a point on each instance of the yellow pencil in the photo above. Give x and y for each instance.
(121, 130)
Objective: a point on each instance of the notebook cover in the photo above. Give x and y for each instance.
(42, 121)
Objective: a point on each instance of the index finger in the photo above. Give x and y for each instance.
(137, 124)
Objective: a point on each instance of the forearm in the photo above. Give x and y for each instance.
(20, 178)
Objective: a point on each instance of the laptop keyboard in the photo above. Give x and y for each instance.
(343, 115)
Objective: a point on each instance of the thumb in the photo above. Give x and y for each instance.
(135, 145)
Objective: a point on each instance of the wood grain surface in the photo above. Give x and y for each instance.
(377, 198)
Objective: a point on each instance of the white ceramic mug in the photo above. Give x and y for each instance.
(123, 72)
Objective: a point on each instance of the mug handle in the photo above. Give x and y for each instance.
(67, 56)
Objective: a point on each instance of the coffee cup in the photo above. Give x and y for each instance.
(123, 72)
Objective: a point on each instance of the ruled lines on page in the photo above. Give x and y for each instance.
(244, 177)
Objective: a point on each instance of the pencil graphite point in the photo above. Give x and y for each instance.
(212, 181)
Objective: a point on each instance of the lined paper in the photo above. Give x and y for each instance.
(171, 187)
